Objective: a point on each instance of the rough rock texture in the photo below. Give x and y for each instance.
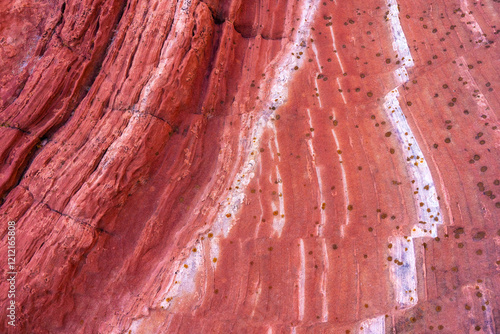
(251, 166)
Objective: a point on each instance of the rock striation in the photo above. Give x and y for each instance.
(250, 166)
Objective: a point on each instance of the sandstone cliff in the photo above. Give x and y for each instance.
(251, 166)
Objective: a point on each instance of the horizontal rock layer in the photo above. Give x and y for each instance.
(251, 166)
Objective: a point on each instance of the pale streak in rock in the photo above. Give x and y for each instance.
(315, 51)
(341, 92)
(185, 276)
(399, 43)
(312, 152)
(335, 50)
(403, 276)
(317, 91)
(279, 221)
(401, 75)
(272, 126)
(277, 146)
(167, 52)
(344, 178)
(257, 297)
(277, 97)
(269, 146)
(418, 170)
(373, 326)
(322, 213)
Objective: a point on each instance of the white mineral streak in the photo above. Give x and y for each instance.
(168, 51)
(401, 75)
(184, 280)
(310, 122)
(322, 223)
(256, 297)
(420, 175)
(315, 51)
(373, 326)
(317, 92)
(277, 97)
(341, 92)
(403, 271)
(335, 50)
(312, 152)
(399, 43)
(276, 144)
(228, 208)
(277, 147)
(279, 220)
(344, 179)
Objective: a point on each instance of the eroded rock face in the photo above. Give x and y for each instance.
(251, 166)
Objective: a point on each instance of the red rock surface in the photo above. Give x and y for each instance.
(251, 166)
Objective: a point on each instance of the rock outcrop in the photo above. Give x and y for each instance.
(250, 166)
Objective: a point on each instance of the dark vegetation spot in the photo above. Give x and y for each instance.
(479, 236)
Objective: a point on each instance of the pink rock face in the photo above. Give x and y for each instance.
(250, 166)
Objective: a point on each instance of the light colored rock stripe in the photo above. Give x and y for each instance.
(420, 175)
(335, 50)
(278, 95)
(344, 180)
(372, 326)
(403, 271)
(399, 43)
(279, 220)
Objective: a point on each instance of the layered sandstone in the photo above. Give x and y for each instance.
(251, 166)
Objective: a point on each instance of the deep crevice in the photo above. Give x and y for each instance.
(82, 222)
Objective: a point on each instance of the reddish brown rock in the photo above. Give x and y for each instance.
(241, 166)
